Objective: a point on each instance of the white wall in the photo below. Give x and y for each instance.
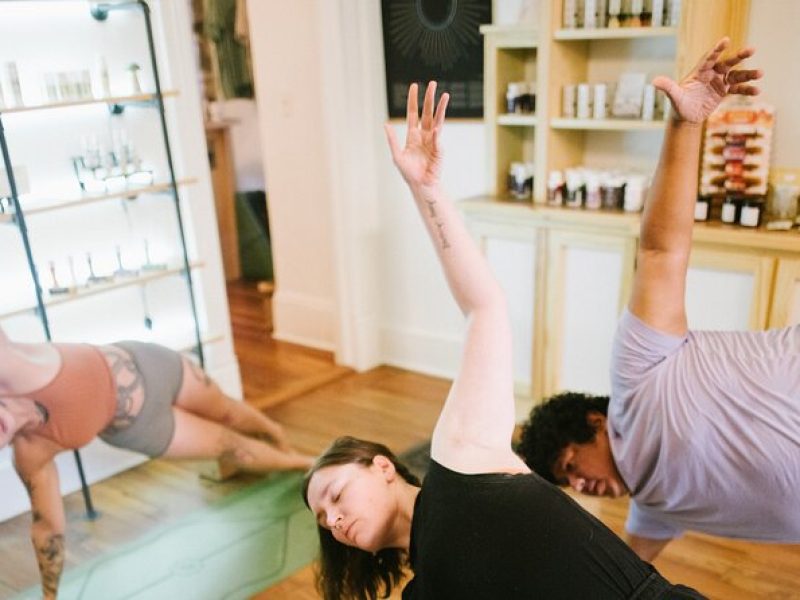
(773, 32)
(286, 60)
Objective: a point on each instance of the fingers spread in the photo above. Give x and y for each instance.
(743, 75)
(427, 107)
(744, 90)
(711, 58)
(412, 108)
(440, 110)
(666, 85)
(741, 55)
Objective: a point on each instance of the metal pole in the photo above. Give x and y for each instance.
(176, 198)
(19, 218)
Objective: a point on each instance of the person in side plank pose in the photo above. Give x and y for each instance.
(133, 395)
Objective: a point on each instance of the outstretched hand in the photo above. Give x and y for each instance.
(702, 90)
(420, 160)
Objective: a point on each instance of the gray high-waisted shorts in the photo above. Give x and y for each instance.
(152, 429)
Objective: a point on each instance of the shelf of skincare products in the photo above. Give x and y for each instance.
(100, 284)
(34, 206)
(607, 124)
(619, 15)
(514, 120)
(614, 34)
(109, 100)
(596, 189)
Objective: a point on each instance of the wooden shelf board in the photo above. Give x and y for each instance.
(621, 33)
(607, 124)
(92, 198)
(524, 214)
(517, 120)
(87, 102)
(147, 277)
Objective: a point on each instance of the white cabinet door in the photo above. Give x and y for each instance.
(588, 282)
(728, 291)
(785, 309)
(513, 256)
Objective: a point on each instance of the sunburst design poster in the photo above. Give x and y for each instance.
(438, 40)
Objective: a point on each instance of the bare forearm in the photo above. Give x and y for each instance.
(669, 211)
(470, 279)
(49, 547)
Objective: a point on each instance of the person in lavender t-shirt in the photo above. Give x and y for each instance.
(702, 428)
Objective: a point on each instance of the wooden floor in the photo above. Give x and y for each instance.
(317, 401)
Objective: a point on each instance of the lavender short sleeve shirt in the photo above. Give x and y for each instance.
(705, 431)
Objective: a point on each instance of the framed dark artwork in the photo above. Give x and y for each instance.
(426, 40)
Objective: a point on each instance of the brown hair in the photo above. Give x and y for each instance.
(345, 572)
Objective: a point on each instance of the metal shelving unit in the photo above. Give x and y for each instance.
(116, 105)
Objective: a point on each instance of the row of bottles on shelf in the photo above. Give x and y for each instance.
(90, 274)
(110, 166)
(63, 86)
(629, 98)
(594, 189)
(611, 14)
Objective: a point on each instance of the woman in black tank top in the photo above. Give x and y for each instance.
(482, 525)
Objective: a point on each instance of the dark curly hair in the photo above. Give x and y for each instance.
(345, 572)
(554, 424)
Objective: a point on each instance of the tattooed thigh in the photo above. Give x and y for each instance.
(129, 383)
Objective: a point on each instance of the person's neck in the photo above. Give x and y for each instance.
(407, 497)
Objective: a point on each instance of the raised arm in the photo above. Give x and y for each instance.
(658, 296)
(474, 430)
(37, 469)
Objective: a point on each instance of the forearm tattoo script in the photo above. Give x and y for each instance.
(437, 223)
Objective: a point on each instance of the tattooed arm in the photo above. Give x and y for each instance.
(473, 433)
(33, 459)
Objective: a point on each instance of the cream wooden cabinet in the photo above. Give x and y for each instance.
(580, 266)
(554, 57)
(728, 290)
(515, 256)
(785, 306)
(588, 282)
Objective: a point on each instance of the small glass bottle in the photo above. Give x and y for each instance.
(751, 212)
(730, 210)
(702, 208)
(555, 189)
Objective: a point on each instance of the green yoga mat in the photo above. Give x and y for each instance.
(228, 551)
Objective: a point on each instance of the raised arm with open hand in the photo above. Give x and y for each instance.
(666, 231)
(473, 433)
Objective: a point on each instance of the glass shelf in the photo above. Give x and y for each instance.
(516, 120)
(43, 205)
(607, 124)
(617, 33)
(111, 100)
(101, 288)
